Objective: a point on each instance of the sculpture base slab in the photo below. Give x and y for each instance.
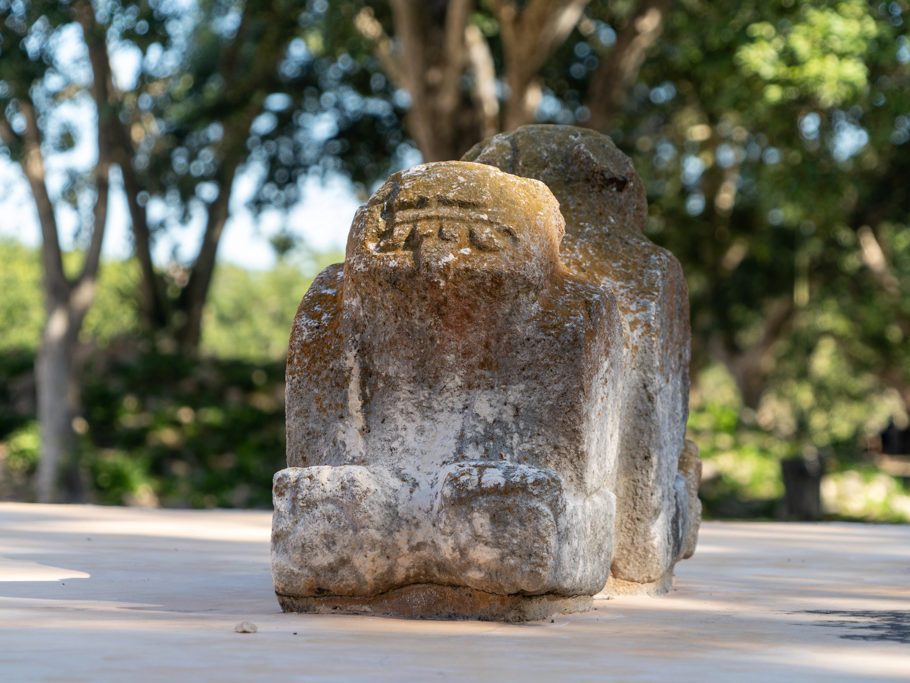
(616, 587)
(432, 601)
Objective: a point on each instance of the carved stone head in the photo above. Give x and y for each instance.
(441, 221)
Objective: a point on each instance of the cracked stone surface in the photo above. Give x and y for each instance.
(486, 402)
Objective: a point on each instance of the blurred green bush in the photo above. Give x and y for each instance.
(741, 475)
(158, 428)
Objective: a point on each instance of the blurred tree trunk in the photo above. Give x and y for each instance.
(431, 55)
(181, 319)
(66, 300)
(749, 366)
(247, 66)
(58, 392)
(618, 71)
(152, 299)
(435, 46)
(876, 260)
(195, 294)
(802, 478)
(529, 36)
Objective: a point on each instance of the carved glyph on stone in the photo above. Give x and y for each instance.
(459, 395)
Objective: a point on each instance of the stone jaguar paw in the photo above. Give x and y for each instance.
(499, 525)
(330, 530)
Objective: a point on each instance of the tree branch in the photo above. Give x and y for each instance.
(411, 35)
(409, 32)
(546, 24)
(10, 137)
(876, 262)
(369, 27)
(32, 163)
(529, 37)
(620, 66)
(194, 295)
(483, 85)
(457, 14)
(102, 93)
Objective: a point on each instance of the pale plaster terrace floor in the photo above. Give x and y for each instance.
(117, 594)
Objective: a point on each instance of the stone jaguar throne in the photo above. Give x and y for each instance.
(481, 426)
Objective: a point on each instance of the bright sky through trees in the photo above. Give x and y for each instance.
(321, 220)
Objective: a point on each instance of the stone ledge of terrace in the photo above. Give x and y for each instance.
(112, 594)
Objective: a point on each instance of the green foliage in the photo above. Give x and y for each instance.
(21, 452)
(767, 173)
(741, 458)
(173, 431)
(863, 493)
(741, 473)
(18, 458)
(115, 312)
(821, 51)
(812, 399)
(22, 311)
(161, 428)
(250, 313)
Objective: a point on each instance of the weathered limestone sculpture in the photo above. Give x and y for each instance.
(603, 202)
(475, 420)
